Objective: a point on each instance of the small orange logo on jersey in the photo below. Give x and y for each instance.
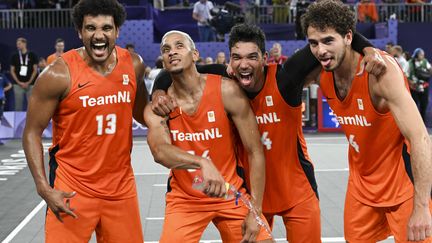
(211, 116)
(360, 104)
(125, 79)
(269, 100)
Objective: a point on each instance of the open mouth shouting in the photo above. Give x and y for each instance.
(245, 78)
(99, 48)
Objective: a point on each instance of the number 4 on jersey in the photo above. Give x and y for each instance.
(266, 141)
(353, 143)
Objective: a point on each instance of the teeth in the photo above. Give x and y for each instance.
(99, 44)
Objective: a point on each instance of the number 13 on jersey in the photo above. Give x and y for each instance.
(108, 122)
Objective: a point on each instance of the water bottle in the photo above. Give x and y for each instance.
(232, 192)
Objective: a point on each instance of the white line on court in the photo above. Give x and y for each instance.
(160, 185)
(167, 173)
(3, 179)
(24, 222)
(154, 218)
(324, 239)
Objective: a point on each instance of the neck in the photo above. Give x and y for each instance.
(103, 68)
(186, 83)
(348, 66)
(24, 50)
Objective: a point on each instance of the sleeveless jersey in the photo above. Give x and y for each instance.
(377, 148)
(93, 128)
(289, 173)
(207, 132)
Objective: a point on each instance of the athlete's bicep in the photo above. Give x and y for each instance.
(141, 96)
(51, 86)
(238, 107)
(158, 130)
(392, 87)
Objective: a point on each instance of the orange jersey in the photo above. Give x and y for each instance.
(289, 173)
(207, 132)
(51, 58)
(377, 148)
(93, 128)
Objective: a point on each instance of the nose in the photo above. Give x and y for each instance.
(98, 34)
(321, 50)
(243, 64)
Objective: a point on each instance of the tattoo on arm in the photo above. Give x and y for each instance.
(165, 126)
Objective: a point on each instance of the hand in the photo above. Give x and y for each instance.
(214, 183)
(55, 201)
(162, 104)
(420, 224)
(372, 62)
(25, 85)
(250, 229)
(229, 70)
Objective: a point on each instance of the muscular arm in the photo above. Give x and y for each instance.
(391, 88)
(141, 97)
(47, 92)
(51, 86)
(237, 106)
(163, 81)
(292, 76)
(159, 140)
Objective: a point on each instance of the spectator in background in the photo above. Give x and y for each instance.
(153, 74)
(201, 13)
(23, 70)
(397, 52)
(388, 47)
(59, 50)
(419, 74)
(130, 47)
(276, 54)
(5, 85)
(209, 60)
(301, 7)
(367, 11)
(220, 58)
(42, 64)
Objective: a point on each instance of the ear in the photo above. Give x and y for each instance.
(79, 34)
(265, 57)
(348, 38)
(117, 33)
(195, 55)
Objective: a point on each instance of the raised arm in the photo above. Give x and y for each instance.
(162, 104)
(392, 89)
(172, 157)
(237, 106)
(141, 96)
(51, 86)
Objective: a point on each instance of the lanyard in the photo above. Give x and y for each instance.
(21, 59)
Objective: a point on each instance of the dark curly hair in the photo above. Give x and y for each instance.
(247, 33)
(325, 14)
(98, 7)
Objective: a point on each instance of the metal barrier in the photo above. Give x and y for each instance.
(35, 18)
(268, 14)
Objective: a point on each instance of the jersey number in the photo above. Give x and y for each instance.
(353, 143)
(110, 127)
(266, 141)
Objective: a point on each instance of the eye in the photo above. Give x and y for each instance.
(107, 28)
(90, 28)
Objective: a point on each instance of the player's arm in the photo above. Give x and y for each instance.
(51, 86)
(162, 104)
(141, 96)
(392, 89)
(237, 106)
(172, 157)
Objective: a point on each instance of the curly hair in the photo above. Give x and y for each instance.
(329, 14)
(247, 33)
(98, 7)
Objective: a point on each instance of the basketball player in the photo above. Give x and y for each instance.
(199, 134)
(275, 96)
(91, 94)
(385, 131)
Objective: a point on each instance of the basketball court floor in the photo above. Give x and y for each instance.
(22, 211)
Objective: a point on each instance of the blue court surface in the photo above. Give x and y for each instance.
(22, 211)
